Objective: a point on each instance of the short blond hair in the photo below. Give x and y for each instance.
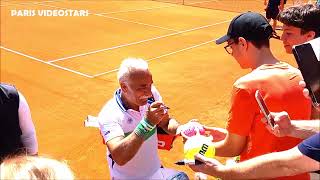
(34, 167)
(130, 65)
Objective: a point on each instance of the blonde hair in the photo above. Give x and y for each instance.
(34, 168)
(131, 65)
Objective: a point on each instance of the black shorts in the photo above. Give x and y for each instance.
(272, 13)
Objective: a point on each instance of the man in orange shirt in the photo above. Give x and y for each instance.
(248, 42)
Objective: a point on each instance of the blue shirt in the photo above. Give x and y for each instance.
(311, 147)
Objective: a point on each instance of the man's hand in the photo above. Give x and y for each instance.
(282, 127)
(190, 129)
(156, 113)
(305, 90)
(209, 166)
(218, 134)
(306, 94)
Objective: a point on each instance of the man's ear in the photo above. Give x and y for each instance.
(124, 87)
(310, 35)
(243, 43)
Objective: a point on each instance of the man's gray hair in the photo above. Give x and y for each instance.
(130, 65)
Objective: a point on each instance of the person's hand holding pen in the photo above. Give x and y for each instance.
(150, 101)
(209, 166)
(157, 112)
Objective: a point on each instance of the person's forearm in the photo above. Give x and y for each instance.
(30, 142)
(28, 136)
(126, 149)
(304, 129)
(170, 126)
(231, 146)
(261, 167)
(223, 150)
(286, 163)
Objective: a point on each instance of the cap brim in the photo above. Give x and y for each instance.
(222, 39)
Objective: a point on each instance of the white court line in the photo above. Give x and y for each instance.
(46, 1)
(134, 10)
(135, 22)
(202, 2)
(129, 44)
(48, 63)
(9, 3)
(138, 42)
(179, 32)
(152, 8)
(158, 57)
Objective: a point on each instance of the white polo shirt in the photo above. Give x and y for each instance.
(114, 121)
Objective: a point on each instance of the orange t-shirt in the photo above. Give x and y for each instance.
(279, 86)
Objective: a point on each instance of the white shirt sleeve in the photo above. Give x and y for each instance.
(109, 123)
(28, 136)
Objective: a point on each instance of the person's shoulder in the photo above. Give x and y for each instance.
(111, 107)
(293, 69)
(262, 74)
(285, 69)
(246, 81)
(110, 112)
(267, 71)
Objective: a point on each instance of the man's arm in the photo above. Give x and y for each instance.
(305, 129)
(285, 163)
(28, 136)
(240, 120)
(284, 126)
(124, 149)
(169, 125)
(231, 146)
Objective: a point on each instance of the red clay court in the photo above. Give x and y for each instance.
(66, 66)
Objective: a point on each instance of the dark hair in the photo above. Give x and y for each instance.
(306, 17)
(257, 43)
